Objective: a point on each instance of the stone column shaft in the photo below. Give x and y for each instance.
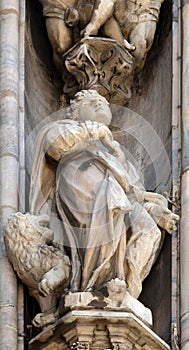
(21, 141)
(9, 162)
(184, 244)
(176, 159)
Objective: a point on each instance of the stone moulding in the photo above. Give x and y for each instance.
(98, 330)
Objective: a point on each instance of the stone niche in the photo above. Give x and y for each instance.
(151, 99)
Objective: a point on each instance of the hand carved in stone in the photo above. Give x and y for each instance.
(40, 264)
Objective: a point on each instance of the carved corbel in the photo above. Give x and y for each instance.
(103, 65)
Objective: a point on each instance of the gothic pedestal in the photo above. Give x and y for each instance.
(98, 330)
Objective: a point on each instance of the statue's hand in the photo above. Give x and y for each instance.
(163, 217)
(97, 130)
(89, 30)
(71, 16)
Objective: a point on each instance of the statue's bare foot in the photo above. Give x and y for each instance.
(42, 320)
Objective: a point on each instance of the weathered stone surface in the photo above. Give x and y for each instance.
(42, 266)
(103, 65)
(9, 165)
(84, 329)
(131, 26)
(123, 303)
(149, 83)
(114, 196)
(9, 140)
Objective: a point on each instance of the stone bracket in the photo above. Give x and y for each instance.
(98, 330)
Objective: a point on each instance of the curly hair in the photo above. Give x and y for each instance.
(80, 96)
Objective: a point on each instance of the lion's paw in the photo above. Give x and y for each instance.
(41, 320)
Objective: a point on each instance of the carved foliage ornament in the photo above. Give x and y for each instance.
(103, 65)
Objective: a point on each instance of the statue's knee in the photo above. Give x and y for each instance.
(60, 47)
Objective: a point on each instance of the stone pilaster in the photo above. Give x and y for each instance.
(184, 253)
(176, 162)
(9, 160)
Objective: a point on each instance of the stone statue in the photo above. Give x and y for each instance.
(98, 206)
(103, 224)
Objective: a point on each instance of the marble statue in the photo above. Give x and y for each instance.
(80, 173)
(101, 219)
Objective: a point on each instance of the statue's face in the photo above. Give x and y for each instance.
(95, 109)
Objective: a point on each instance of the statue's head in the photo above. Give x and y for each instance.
(90, 105)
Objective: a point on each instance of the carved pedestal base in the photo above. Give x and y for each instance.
(98, 330)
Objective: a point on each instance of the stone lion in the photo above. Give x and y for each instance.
(40, 264)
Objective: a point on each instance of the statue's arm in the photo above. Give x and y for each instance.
(156, 198)
(64, 138)
(99, 17)
(155, 204)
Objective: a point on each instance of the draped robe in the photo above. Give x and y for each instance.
(95, 200)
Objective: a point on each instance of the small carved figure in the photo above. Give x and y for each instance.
(61, 16)
(81, 178)
(40, 264)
